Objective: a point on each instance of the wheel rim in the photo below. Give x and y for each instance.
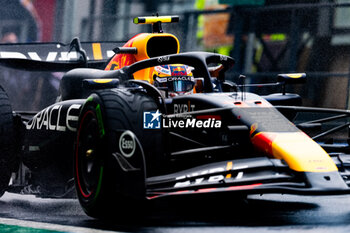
(88, 163)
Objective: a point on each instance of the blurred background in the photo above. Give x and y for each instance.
(266, 37)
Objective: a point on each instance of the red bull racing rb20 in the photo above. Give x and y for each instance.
(152, 123)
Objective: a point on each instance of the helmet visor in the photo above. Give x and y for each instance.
(180, 86)
(177, 83)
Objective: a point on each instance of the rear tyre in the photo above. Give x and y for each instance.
(7, 141)
(105, 183)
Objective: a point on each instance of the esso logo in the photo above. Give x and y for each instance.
(127, 144)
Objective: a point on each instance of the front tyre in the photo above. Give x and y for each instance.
(92, 163)
(108, 177)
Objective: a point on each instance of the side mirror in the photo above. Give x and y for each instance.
(292, 78)
(228, 86)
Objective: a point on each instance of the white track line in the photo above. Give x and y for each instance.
(50, 226)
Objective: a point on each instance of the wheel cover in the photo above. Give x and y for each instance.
(88, 166)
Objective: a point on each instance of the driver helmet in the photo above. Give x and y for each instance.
(177, 78)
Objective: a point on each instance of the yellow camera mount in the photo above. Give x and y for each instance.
(156, 21)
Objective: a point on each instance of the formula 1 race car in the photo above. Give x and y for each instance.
(157, 123)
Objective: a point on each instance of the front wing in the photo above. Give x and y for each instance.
(251, 176)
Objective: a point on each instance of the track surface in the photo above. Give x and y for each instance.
(269, 213)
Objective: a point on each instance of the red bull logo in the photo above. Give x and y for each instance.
(178, 70)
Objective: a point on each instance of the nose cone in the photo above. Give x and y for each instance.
(298, 150)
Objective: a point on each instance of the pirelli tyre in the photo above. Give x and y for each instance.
(7, 141)
(110, 153)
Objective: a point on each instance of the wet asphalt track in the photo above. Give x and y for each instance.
(269, 213)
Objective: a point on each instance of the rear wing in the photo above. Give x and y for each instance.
(57, 56)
